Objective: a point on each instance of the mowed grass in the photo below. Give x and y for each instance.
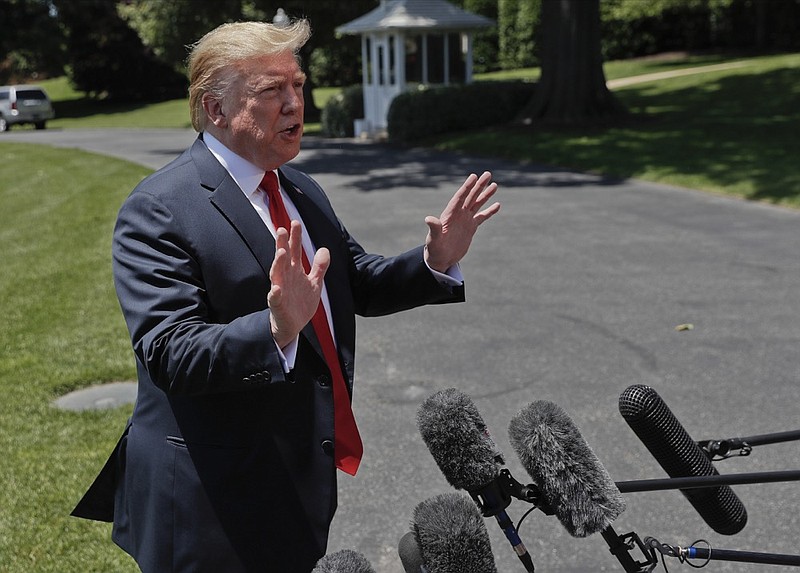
(732, 131)
(61, 329)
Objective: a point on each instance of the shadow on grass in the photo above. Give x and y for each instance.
(737, 132)
(85, 107)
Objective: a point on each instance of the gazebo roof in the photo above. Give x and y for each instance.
(415, 15)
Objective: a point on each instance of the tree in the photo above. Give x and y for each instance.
(572, 87)
(30, 41)
(518, 24)
(107, 59)
(168, 27)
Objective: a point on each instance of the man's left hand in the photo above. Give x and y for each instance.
(450, 235)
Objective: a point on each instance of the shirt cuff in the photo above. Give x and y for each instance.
(288, 355)
(452, 277)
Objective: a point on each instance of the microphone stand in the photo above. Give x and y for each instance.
(499, 494)
(620, 546)
(720, 449)
(709, 553)
(494, 498)
(706, 481)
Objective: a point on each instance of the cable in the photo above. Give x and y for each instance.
(680, 553)
(519, 523)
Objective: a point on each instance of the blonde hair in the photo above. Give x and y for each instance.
(213, 58)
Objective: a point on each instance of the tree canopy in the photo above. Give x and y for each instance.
(116, 48)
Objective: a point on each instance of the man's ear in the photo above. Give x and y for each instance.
(213, 109)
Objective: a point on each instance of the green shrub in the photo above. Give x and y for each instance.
(430, 111)
(341, 110)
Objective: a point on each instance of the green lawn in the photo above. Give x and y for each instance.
(733, 131)
(61, 329)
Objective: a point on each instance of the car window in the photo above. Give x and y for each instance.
(3, 95)
(30, 94)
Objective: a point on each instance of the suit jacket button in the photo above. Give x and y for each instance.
(267, 376)
(247, 380)
(323, 380)
(327, 447)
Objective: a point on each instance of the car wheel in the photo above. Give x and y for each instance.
(3, 124)
(40, 125)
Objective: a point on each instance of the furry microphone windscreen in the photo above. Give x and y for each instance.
(458, 440)
(344, 561)
(452, 535)
(570, 476)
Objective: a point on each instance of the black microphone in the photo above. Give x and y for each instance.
(448, 535)
(676, 452)
(344, 561)
(459, 442)
(571, 478)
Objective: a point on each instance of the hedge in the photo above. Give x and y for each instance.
(417, 114)
(341, 110)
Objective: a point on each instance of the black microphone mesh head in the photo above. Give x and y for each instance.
(570, 476)
(669, 443)
(410, 553)
(452, 535)
(458, 440)
(344, 561)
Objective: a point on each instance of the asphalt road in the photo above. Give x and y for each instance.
(574, 292)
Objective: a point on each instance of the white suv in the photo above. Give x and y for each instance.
(24, 104)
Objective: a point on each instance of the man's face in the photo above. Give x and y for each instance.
(264, 111)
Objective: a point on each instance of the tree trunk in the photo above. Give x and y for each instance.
(572, 88)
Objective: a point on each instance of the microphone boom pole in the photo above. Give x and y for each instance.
(698, 482)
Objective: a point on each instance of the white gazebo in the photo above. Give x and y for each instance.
(407, 43)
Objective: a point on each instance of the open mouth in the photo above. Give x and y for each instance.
(292, 130)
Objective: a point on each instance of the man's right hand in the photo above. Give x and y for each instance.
(294, 296)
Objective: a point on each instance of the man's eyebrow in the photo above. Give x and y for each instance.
(271, 81)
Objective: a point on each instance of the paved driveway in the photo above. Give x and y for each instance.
(573, 293)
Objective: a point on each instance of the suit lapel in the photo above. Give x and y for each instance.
(229, 200)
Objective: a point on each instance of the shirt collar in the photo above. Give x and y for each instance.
(246, 175)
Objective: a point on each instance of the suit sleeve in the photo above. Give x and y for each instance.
(384, 285)
(161, 291)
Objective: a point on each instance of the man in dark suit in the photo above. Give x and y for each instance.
(228, 463)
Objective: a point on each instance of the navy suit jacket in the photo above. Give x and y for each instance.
(226, 463)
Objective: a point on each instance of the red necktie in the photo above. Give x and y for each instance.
(347, 442)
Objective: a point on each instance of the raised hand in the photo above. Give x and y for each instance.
(450, 235)
(294, 295)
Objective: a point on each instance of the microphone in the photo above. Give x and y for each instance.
(459, 442)
(572, 481)
(676, 452)
(448, 536)
(571, 478)
(344, 561)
